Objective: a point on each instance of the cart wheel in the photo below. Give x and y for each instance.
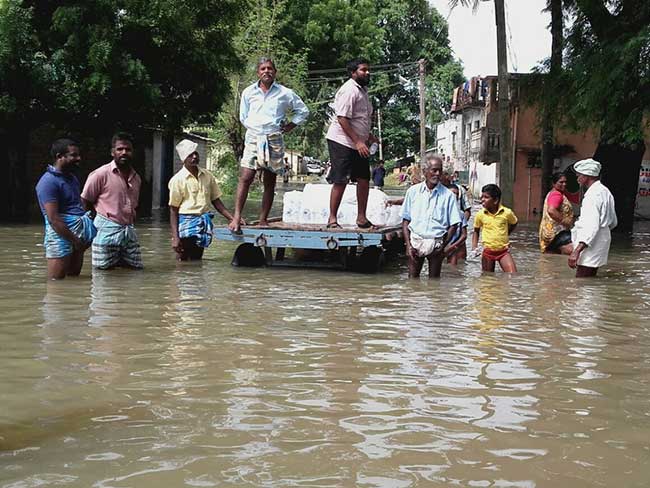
(371, 260)
(249, 256)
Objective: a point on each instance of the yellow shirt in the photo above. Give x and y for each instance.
(495, 227)
(193, 195)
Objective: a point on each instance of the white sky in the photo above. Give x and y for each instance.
(473, 35)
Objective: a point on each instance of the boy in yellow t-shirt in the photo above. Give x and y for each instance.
(497, 223)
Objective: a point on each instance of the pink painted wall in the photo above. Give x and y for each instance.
(526, 134)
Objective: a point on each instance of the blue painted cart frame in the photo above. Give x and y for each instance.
(355, 248)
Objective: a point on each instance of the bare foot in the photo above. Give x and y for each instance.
(263, 223)
(235, 226)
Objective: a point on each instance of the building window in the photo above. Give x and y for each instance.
(476, 125)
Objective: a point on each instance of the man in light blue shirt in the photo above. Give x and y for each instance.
(264, 109)
(430, 216)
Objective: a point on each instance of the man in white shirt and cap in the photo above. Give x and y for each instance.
(191, 191)
(592, 231)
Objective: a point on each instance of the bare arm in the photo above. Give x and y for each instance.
(475, 238)
(173, 222)
(461, 241)
(89, 206)
(53, 217)
(451, 231)
(575, 255)
(407, 236)
(511, 228)
(221, 208)
(556, 215)
(349, 131)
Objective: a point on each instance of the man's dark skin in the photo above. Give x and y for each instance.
(361, 76)
(266, 73)
(187, 249)
(432, 174)
(70, 265)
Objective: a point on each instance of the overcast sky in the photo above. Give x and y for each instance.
(473, 35)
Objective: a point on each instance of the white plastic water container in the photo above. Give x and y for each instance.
(292, 207)
(311, 206)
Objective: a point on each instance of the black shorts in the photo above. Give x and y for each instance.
(346, 164)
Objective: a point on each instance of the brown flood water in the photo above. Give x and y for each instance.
(206, 375)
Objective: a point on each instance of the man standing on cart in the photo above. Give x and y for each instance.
(348, 141)
(264, 109)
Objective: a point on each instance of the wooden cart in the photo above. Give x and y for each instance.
(349, 248)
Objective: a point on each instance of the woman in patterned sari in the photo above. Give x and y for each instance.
(557, 219)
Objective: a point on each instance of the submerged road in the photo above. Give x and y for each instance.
(208, 375)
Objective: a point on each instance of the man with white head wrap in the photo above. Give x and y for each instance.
(191, 191)
(592, 231)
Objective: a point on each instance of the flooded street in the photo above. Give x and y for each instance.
(208, 375)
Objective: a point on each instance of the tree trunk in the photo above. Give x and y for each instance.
(15, 186)
(557, 44)
(620, 173)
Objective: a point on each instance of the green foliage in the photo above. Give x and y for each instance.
(117, 63)
(227, 173)
(385, 32)
(260, 35)
(605, 82)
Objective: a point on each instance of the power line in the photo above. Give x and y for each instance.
(337, 70)
(370, 92)
(341, 78)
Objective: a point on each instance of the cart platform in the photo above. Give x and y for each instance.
(348, 247)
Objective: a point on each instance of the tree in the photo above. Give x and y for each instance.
(605, 84)
(506, 167)
(413, 30)
(555, 67)
(397, 32)
(96, 65)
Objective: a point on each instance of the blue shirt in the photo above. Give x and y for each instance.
(430, 212)
(261, 113)
(62, 188)
(459, 229)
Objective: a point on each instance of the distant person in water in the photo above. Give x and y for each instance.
(457, 247)
(378, 175)
(557, 219)
(68, 229)
(264, 109)
(430, 216)
(592, 232)
(191, 191)
(495, 222)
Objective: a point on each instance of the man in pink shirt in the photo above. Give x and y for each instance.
(348, 138)
(113, 190)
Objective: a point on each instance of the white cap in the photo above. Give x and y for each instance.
(185, 148)
(587, 167)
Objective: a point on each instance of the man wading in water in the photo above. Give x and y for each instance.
(430, 216)
(113, 191)
(190, 192)
(592, 231)
(68, 231)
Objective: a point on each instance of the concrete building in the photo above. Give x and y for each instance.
(469, 139)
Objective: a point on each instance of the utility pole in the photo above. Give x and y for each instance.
(557, 45)
(381, 141)
(423, 134)
(506, 169)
